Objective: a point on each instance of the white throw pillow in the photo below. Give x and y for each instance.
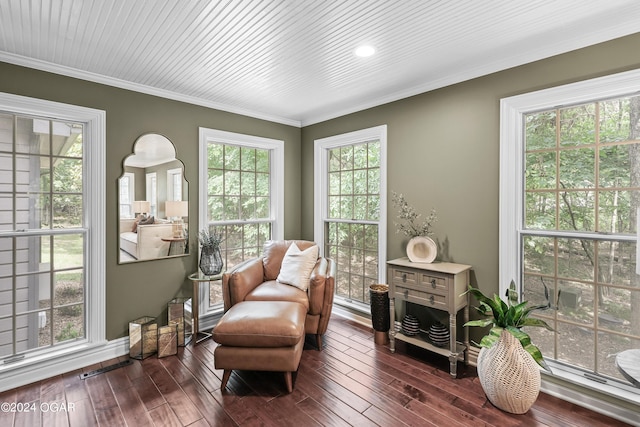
(297, 266)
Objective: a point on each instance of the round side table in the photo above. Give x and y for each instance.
(176, 245)
(628, 363)
(198, 278)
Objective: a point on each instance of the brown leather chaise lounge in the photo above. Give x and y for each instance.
(265, 320)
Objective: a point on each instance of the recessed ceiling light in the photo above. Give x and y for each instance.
(365, 50)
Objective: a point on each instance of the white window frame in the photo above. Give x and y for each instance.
(321, 188)
(65, 357)
(131, 189)
(511, 209)
(276, 190)
(171, 174)
(151, 192)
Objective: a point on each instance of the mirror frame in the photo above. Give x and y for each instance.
(142, 139)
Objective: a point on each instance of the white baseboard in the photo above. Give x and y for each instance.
(351, 315)
(31, 371)
(592, 399)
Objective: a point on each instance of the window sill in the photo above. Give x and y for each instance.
(60, 361)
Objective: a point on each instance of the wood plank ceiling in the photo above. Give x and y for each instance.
(292, 61)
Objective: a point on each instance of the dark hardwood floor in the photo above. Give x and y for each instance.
(351, 382)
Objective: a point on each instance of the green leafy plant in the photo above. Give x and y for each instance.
(210, 237)
(509, 316)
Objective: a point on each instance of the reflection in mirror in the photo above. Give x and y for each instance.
(153, 209)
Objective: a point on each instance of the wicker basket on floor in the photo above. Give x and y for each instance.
(509, 375)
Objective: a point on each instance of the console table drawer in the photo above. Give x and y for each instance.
(434, 284)
(420, 281)
(426, 299)
(403, 277)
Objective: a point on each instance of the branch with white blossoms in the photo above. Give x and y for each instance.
(409, 224)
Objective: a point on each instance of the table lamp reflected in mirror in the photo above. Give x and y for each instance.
(176, 211)
(141, 207)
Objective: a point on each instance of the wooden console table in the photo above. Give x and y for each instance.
(438, 286)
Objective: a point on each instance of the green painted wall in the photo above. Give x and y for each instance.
(443, 151)
(144, 288)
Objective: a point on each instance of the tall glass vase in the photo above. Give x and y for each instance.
(210, 261)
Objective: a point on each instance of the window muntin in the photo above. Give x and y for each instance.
(242, 193)
(152, 192)
(42, 233)
(126, 187)
(31, 365)
(239, 198)
(350, 194)
(354, 201)
(582, 175)
(174, 184)
(512, 206)
(580, 172)
(354, 181)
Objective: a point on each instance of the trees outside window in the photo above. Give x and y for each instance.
(242, 193)
(350, 224)
(570, 191)
(51, 226)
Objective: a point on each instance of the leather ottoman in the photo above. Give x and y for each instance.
(260, 336)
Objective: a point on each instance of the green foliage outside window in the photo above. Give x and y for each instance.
(239, 195)
(582, 178)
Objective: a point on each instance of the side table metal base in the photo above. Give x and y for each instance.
(201, 337)
(198, 278)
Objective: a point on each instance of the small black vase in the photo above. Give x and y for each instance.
(210, 261)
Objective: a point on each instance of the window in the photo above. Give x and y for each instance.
(51, 226)
(174, 184)
(570, 188)
(152, 192)
(127, 187)
(350, 223)
(243, 193)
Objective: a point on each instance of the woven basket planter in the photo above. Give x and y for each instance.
(380, 315)
(509, 375)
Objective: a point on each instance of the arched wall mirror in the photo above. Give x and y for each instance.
(153, 207)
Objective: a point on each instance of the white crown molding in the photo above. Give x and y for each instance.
(553, 44)
(521, 57)
(122, 84)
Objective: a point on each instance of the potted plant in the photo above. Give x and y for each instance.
(421, 248)
(210, 258)
(509, 363)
